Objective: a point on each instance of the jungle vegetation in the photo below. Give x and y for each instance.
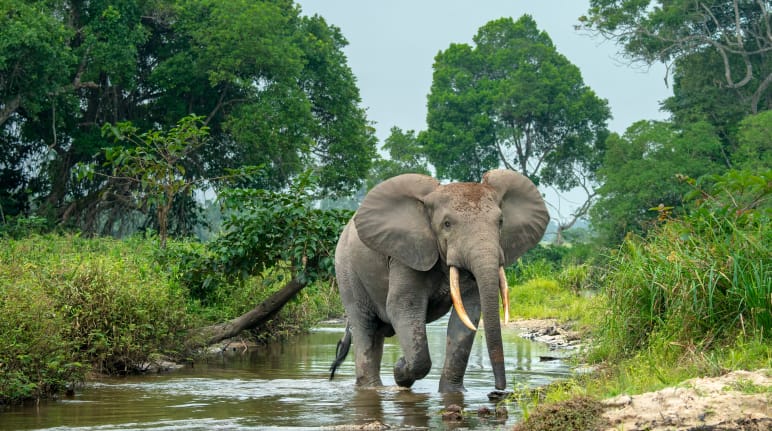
(172, 172)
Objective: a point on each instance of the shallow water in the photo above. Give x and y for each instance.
(285, 386)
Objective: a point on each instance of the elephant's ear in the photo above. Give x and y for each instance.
(523, 210)
(392, 220)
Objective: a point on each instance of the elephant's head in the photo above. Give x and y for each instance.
(476, 227)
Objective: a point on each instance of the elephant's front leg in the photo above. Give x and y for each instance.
(406, 305)
(459, 345)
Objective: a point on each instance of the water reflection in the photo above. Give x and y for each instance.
(284, 386)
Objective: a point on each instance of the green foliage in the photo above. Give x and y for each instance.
(151, 170)
(71, 304)
(32, 56)
(37, 359)
(19, 227)
(640, 171)
(721, 45)
(273, 86)
(265, 229)
(699, 281)
(754, 151)
(512, 99)
(541, 298)
(405, 156)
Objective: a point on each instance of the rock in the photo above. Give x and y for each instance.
(501, 412)
(484, 412)
(453, 413)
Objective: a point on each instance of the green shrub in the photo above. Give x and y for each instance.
(68, 301)
(264, 230)
(37, 358)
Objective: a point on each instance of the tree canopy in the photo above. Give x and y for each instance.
(405, 156)
(731, 39)
(512, 100)
(272, 86)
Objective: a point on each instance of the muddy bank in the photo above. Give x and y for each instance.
(740, 400)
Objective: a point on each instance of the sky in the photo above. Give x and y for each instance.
(392, 45)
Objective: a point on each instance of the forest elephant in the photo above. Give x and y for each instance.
(413, 249)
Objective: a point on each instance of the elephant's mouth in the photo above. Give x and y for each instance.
(455, 296)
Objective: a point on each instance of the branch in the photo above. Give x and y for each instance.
(762, 88)
(9, 108)
(504, 157)
(262, 313)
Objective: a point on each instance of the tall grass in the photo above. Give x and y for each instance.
(696, 284)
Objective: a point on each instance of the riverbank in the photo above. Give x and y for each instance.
(737, 400)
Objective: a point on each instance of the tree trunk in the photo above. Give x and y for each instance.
(262, 313)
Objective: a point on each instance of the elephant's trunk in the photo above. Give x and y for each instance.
(491, 282)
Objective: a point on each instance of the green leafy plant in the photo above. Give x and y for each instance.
(265, 229)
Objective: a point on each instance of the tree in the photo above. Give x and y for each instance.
(755, 135)
(150, 169)
(272, 85)
(32, 58)
(405, 156)
(737, 34)
(640, 174)
(512, 100)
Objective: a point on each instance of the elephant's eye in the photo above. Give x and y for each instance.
(446, 223)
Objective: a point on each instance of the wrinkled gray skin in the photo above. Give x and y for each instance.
(392, 263)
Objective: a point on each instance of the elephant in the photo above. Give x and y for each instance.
(414, 249)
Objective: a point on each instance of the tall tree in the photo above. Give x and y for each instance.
(736, 36)
(512, 100)
(272, 85)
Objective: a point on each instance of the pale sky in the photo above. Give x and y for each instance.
(392, 45)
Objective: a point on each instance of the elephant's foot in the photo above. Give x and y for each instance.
(450, 385)
(405, 375)
(369, 382)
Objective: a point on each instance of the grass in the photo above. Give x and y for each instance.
(544, 297)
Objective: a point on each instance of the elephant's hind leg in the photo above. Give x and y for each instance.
(368, 345)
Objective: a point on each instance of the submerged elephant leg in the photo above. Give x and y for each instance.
(458, 346)
(368, 345)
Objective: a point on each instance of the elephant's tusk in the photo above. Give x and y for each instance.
(504, 293)
(455, 296)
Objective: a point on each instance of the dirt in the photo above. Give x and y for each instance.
(739, 400)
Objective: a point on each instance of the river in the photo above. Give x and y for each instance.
(285, 386)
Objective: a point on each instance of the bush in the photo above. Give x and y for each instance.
(699, 282)
(68, 301)
(37, 358)
(264, 230)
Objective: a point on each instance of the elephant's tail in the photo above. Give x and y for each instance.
(341, 351)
